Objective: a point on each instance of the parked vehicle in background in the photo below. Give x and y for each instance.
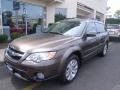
(21, 29)
(16, 29)
(58, 51)
(113, 30)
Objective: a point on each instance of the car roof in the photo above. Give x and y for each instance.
(81, 20)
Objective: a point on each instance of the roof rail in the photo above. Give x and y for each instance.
(84, 19)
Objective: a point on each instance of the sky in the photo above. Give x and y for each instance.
(114, 4)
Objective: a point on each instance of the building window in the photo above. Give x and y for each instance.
(60, 14)
(18, 15)
(98, 18)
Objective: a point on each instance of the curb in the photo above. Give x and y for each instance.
(2, 56)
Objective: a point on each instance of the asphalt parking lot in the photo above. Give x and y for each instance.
(95, 74)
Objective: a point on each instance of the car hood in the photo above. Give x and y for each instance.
(41, 42)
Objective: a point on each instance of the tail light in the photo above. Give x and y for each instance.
(118, 30)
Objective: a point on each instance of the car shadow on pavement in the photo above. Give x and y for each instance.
(19, 84)
(3, 72)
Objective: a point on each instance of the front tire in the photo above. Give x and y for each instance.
(70, 69)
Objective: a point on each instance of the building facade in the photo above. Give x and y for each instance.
(31, 12)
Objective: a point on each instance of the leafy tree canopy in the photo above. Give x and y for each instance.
(112, 21)
(117, 14)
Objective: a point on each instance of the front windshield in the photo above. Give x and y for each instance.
(64, 28)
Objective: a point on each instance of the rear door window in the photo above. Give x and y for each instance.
(100, 28)
(91, 28)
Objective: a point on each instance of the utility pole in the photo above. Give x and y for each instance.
(16, 7)
(26, 21)
(16, 13)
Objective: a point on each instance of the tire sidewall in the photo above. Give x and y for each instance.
(64, 80)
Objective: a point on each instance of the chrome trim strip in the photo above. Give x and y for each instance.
(19, 76)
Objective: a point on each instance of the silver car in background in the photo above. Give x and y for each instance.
(113, 30)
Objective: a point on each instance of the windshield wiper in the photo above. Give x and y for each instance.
(54, 33)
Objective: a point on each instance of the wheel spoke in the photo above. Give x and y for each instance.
(72, 69)
(105, 49)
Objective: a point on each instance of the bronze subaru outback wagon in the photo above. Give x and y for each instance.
(58, 51)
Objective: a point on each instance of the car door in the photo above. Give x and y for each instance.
(101, 34)
(90, 43)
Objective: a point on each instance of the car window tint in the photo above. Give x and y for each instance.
(100, 27)
(91, 28)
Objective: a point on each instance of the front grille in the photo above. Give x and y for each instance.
(16, 50)
(14, 54)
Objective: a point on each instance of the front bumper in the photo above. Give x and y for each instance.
(30, 71)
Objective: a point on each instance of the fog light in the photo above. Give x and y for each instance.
(40, 75)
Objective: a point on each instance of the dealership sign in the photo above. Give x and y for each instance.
(16, 5)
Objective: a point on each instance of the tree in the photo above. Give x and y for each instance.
(39, 21)
(112, 21)
(108, 10)
(117, 14)
(7, 18)
(8, 13)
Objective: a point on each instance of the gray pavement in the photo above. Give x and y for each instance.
(95, 74)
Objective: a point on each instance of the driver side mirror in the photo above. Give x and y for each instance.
(89, 35)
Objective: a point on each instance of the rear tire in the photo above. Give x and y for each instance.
(104, 51)
(70, 69)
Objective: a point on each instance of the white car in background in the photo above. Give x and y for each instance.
(113, 30)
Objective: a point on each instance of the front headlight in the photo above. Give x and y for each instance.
(37, 57)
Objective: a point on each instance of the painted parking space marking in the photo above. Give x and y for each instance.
(32, 86)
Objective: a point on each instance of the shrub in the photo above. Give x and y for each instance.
(15, 35)
(3, 38)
